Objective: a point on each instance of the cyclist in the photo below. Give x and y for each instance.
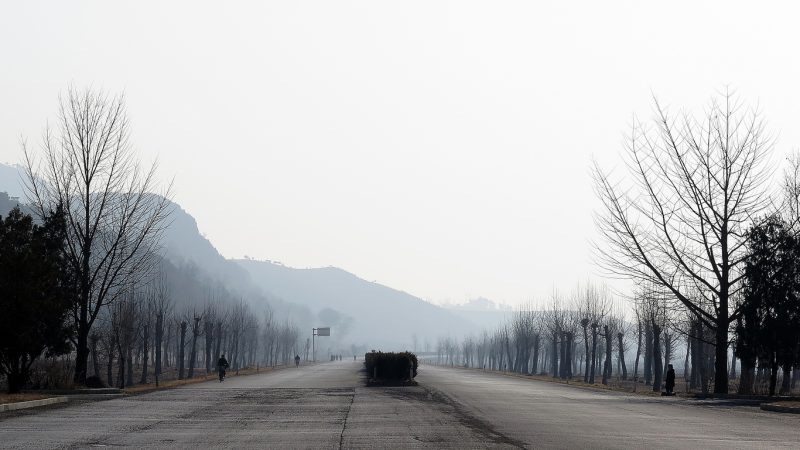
(222, 364)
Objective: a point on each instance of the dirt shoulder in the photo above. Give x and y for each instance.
(21, 397)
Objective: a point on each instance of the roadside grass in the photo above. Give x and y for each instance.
(615, 385)
(22, 397)
(170, 384)
(787, 404)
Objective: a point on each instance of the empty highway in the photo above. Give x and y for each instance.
(327, 406)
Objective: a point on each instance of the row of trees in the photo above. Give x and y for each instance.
(680, 221)
(146, 333)
(586, 336)
(83, 273)
(710, 244)
(144, 325)
(591, 337)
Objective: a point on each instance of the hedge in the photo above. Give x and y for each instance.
(390, 365)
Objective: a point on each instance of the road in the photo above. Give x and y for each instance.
(326, 406)
(551, 415)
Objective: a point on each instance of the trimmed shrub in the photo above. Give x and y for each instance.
(94, 382)
(391, 365)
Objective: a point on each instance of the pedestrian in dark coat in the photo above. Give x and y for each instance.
(670, 380)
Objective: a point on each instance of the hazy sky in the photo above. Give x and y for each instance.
(442, 148)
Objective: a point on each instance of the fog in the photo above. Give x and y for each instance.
(441, 148)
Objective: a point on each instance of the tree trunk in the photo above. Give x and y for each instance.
(686, 358)
(129, 377)
(773, 375)
(657, 370)
(594, 353)
(638, 354)
(81, 350)
(159, 338)
(786, 384)
(167, 340)
(180, 351)
(536, 343)
(209, 342)
(121, 368)
(622, 356)
(607, 365)
(145, 353)
(562, 370)
(109, 366)
(721, 335)
(747, 377)
(554, 355)
(586, 352)
(193, 354)
(667, 354)
(732, 373)
(648, 353)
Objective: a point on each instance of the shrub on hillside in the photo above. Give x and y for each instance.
(391, 365)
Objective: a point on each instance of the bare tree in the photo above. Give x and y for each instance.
(595, 305)
(197, 331)
(161, 305)
(697, 185)
(114, 220)
(181, 323)
(126, 325)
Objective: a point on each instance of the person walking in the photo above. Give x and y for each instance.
(670, 385)
(297, 360)
(222, 364)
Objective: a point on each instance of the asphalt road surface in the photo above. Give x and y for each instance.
(550, 415)
(326, 406)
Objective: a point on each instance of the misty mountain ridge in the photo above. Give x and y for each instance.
(361, 311)
(380, 313)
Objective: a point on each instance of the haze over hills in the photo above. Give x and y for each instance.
(360, 312)
(379, 313)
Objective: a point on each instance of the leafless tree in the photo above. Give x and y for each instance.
(595, 306)
(161, 303)
(197, 331)
(114, 219)
(126, 325)
(210, 316)
(696, 186)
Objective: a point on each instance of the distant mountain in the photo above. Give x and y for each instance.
(360, 312)
(184, 244)
(11, 180)
(481, 311)
(381, 315)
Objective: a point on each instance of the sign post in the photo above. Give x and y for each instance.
(324, 331)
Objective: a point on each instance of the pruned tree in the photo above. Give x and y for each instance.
(697, 183)
(113, 218)
(594, 307)
(126, 325)
(161, 303)
(197, 331)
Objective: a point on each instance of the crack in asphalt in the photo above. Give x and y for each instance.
(346, 415)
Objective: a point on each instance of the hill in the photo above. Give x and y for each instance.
(360, 312)
(380, 315)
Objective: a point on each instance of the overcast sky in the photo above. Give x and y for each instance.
(442, 148)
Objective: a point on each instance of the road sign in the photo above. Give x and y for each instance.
(324, 331)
